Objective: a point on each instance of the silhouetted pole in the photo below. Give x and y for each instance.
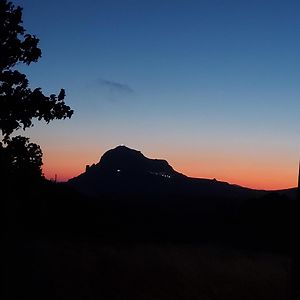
(295, 268)
(298, 190)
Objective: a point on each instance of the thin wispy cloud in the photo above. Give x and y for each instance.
(114, 86)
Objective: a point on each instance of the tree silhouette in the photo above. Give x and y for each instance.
(20, 159)
(19, 104)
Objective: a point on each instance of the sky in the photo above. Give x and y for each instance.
(212, 86)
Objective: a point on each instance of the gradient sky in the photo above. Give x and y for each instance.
(212, 86)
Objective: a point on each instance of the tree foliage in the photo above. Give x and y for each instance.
(19, 104)
(21, 159)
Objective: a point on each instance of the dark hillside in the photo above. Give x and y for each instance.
(64, 245)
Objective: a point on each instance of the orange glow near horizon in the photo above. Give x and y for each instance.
(66, 165)
(257, 174)
(253, 174)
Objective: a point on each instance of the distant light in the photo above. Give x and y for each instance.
(118, 170)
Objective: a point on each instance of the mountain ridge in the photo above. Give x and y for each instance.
(123, 170)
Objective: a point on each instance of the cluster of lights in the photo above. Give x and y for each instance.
(154, 173)
(165, 175)
(160, 174)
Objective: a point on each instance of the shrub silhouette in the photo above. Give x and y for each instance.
(21, 160)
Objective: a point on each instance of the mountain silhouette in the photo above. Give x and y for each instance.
(127, 171)
(132, 162)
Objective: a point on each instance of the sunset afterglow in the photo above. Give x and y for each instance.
(210, 86)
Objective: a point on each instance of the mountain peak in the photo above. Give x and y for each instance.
(126, 161)
(122, 149)
(125, 170)
(121, 157)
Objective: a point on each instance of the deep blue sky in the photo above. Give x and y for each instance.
(212, 86)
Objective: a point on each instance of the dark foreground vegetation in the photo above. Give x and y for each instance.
(62, 245)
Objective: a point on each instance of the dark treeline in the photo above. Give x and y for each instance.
(46, 219)
(56, 210)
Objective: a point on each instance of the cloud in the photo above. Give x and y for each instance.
(115, 87)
